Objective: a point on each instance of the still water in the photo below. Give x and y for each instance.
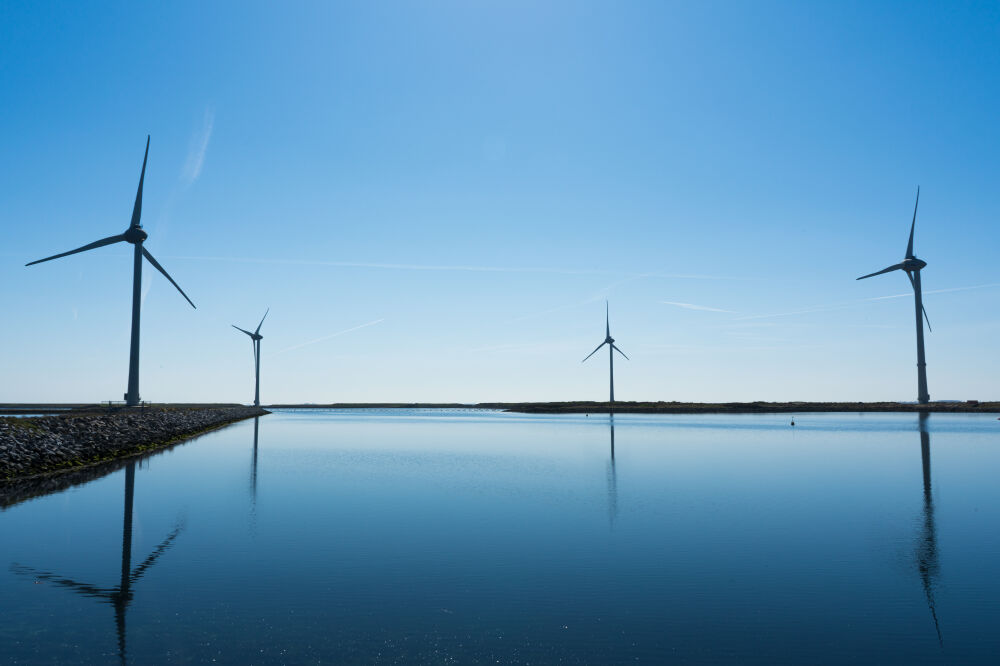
(437, 536)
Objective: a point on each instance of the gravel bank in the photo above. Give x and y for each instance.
(31, 446)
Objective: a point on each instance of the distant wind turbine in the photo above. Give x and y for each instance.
(255, 339)
(134, 235)
(610, 341)
(912, 266)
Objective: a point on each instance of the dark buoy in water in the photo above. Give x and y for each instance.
(793, 423)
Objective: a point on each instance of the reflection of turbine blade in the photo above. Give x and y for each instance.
(927, 556)
(140, 570)
(119, 596)
(85, 589)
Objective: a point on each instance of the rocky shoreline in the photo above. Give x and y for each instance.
(42, 445)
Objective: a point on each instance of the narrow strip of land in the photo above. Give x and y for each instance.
(91, 435)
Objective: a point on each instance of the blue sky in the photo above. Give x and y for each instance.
(463, 184)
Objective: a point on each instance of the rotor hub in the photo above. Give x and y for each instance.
(913, 264)
(135, 235)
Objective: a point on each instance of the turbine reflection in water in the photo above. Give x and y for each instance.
(612, 479)
(121, 595)
(927, 554)
(253, 477)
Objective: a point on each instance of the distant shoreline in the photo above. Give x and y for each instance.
(575, 407)
(672, 407)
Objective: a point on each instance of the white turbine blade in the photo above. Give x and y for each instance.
(620, 352)
(96, 244)
(242, 329)
(909, 246)
(594, 352)
(262, 321)
(884, 270)
(137, 209)
(158, 267)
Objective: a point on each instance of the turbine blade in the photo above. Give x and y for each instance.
(262, 321)
(884, 270)
(595, 351)
(137, 209)
(909, 246)
(242, 329)
(926, 318)
(607, 320)
(620, 352)
(101, 243)
(158, 267)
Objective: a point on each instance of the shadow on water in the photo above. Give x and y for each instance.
(927, 554)
(119, 596)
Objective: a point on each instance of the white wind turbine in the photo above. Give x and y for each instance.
(610, 341)
(134, 235)
(255, 339)
(912, 266)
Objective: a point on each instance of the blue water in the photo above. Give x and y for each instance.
(437, 536)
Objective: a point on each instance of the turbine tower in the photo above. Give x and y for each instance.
(912, 266)
(134, 235)
(610, 341)
(255, 339)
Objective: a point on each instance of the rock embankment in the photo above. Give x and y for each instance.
(52, 443)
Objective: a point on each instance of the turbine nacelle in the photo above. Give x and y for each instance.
(134, 235)
(912, 264)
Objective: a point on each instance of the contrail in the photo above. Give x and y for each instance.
(199, 146)
(848, 304)
(455, 267)
(692, 306)
(599, 295)
(332, 335)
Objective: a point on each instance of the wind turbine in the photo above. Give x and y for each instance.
(255, 339)
(610, 341)
(134, 235)
(912, 266)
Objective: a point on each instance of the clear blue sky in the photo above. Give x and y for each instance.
(473, 179)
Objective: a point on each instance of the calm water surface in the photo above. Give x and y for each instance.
(473, 537)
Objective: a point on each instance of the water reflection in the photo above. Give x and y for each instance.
(253, 464)
(927, 554)
(612, 479)
(121, 595)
